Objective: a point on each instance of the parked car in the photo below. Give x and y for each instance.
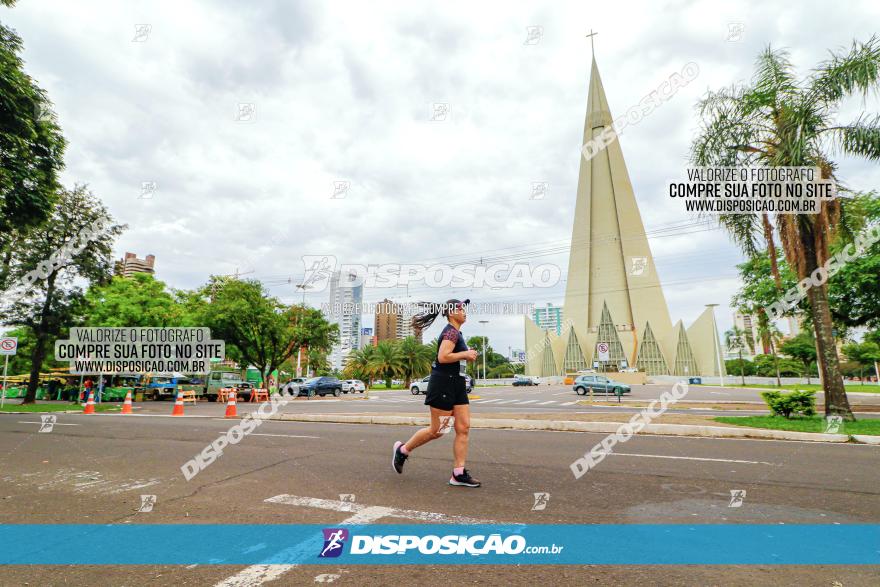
(353, 386)
(523, 380)
(292, 386)
(165, 386)
(599, 384)
(321, 386)
(421, 386)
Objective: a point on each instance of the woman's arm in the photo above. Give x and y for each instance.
(445, 354)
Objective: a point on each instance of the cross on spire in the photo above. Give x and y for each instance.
(590, 36)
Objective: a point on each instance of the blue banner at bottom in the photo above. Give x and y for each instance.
(627, 544)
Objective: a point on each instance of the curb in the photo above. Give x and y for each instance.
(601, 427)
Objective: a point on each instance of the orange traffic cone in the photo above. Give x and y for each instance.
(178, 405)
(126, 405)
(230, 406)
(90, 403)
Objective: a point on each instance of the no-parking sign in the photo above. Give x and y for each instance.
(8, 345)
(603, 351)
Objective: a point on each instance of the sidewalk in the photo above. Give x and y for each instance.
(695, 426)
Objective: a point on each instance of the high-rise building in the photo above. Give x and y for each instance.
(615, 313)
(345, 310)
(130, 264)
(748, 323)
(549, 318)
(394, 322)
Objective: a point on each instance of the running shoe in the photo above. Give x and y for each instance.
(398, 458)
(464, 480)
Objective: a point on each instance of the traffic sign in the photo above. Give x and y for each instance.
(603, 351)
(8, 345)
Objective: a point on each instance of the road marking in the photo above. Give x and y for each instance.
(570, 403)
(284, 435)
(363, 514)
(625, 454)
(563, 393)
(347, 506)
(56, 423)
(489, 401)
(530, 401)
(552, 401)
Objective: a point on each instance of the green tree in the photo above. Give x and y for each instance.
(258, 329)
(139, 300)
(854, 291)
(416, 359)
(865, 354)
(781, 120)
(358, 365)
(735, 340)
(20, 363)
(768, 331)
(31, 148)
(387, 362)
(312, 331)
(743, 366)
(803, 348)
(75, 243)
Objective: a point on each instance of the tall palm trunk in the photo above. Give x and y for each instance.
(771, 250)
(836, 402)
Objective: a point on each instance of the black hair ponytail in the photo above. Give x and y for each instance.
(426, 317)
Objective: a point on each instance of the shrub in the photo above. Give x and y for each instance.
(798, 403)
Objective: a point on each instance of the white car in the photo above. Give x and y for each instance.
(353, 386)
(419, 386)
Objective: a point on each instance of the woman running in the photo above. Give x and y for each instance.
(447, 392)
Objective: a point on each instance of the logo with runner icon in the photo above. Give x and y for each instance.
(334, 541)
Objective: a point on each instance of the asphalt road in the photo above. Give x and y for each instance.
(93, 469)
(545, 399)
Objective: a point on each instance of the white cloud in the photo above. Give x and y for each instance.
(344, 91)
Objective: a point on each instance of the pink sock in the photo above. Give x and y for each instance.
(458, 470)
(403, 449)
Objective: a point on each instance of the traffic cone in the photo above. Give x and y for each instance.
(230, 406)
(178, 405)
(90, 403)
(126, 405)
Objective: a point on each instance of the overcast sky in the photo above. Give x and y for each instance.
(345, 91)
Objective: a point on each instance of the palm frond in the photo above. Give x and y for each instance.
(860, 138)
(842, 75)
(774, 77)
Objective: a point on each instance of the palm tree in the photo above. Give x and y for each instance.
(734, 340)
(357, 365)
(779, 120)
(768, 332)
(416, 357)
(387, 361)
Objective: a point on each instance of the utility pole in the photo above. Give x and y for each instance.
(484, 349)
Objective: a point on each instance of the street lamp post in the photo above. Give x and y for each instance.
(484, 349)
(303, 287)
(717, 343)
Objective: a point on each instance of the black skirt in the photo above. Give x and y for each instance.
(446, 391)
